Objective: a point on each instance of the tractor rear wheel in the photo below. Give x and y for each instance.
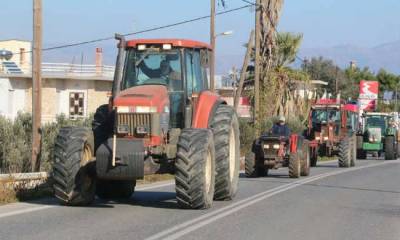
(225, 126)
(195, 169)
(361, 154)
(344, 154)
(305, 161)
(109, 189)
(353, 151)
(74, 168)
(252, 169)
(390, 153)
(294, 165)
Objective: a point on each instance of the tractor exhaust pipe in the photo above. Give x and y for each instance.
(119, 64)
(117, 84)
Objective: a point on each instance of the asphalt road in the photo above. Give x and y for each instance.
(355, 203)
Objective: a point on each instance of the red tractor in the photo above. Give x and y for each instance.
(162, 114)
(273, 152)
(332, 127)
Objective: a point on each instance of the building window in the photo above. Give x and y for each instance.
(76, 104)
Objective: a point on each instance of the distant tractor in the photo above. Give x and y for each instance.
(273, 152)
(332, 127)
(377, 136)
(161, 114)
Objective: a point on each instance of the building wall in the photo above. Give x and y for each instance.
(16, 96)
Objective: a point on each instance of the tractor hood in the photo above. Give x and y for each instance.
(154, 97)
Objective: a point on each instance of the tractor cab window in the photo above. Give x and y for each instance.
(325, 115)
(153, 66)
(376, 122)
(194, 75)
(351, 120)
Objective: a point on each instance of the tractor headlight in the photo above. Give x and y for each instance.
(371, 139)
(141, 130)
(317, 138)
(266, 146)
(123, 129)
(123, 109)
(326, 138)
(145, 109)
(276, 146)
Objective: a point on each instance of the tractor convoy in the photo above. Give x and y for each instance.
(163, 117)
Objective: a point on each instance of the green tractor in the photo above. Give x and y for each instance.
(377, 136)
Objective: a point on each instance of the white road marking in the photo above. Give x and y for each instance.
(36, 207)
(28, 210)
(196, 223)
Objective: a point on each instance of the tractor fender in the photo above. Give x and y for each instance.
(206, 106)
(296, 142)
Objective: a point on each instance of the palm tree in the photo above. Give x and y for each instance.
(287, 47)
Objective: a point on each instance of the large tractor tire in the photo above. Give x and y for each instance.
(109, 189)
(294, 165)
(195, 169)
(361, 154)
(390, 151)
(225, 126)
(313, 156)
(102, 125)
(344, 155)
(305, 161)
(74, 168)
(251, 168)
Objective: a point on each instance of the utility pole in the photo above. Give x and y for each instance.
(244, 68)
(212, 42)
(257, 63)
(36, 84)
(336, 81)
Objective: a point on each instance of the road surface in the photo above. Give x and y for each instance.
(332, 203)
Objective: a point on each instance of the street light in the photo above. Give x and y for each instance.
(227, 33)
(212, 69)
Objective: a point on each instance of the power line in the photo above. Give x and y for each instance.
(141, 31)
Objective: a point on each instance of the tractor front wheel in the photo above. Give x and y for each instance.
(294, 165)
(252, 168)
(390, 153)
(345, 153)
(225, 126)
(195, 169)
(74, 168)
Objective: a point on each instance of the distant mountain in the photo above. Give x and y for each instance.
(385, 56)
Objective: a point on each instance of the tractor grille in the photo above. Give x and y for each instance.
(133, 120)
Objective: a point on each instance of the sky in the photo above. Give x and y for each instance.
(324, 23)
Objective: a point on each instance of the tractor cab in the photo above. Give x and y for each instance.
(172, 67)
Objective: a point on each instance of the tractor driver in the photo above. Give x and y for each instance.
(165, 71)
(280, 128)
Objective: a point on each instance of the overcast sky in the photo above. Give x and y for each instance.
(324, 23)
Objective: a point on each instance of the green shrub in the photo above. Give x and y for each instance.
(16, 140)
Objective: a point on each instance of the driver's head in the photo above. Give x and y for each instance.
(282, 120)
(165, 68)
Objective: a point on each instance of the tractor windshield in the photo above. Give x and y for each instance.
(153, 67)
(376, 122)
(325, 115)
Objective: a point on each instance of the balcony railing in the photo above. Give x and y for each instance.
(62, 69)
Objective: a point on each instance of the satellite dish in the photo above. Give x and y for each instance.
(5, 54)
